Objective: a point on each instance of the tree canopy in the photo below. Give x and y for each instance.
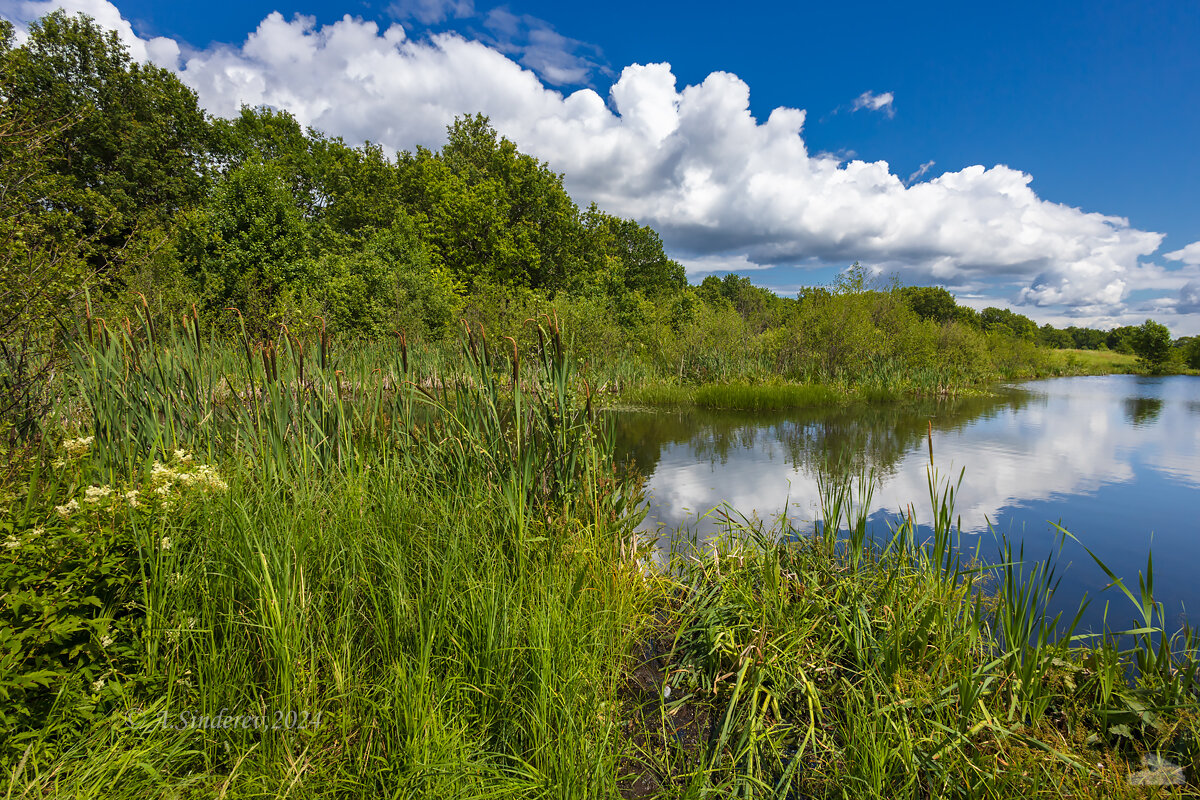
(1152, 343)
(117, 182)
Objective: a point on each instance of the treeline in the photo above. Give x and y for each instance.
(118, 189)
(134, 188)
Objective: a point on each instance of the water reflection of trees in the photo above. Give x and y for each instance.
(1142, 410)
(826, 442)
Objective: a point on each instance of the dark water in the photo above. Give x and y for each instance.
(1113, 459)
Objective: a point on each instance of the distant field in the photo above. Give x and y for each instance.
(1094, 361)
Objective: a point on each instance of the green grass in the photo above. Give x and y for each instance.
(1093, 362)
(826, 666)
(737, 395)
(883, 383)
(765, 397)
(422, 568)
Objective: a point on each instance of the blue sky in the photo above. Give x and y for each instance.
(1083, 119)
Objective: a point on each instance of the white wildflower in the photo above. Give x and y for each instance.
(161, 472)
(12, 542)
(211, 478)
(164, 490)
(77, 447)
(68, 508)
(184, 456)
(132, 498)
(37, 531)
(106, 641)
(165, 544)
(94, 494)
(98, 684)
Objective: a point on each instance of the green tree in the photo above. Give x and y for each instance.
(1189, 347)
(1050, 336)
(131, 145)
(930, 302)
(760, 308)
(644, 264)
(247, 246)
(1003, 319)
(491, 213)
(1151, 342)
(346, 193)
(1086, 338)
(390, 283)
(1120, 340)
(42, 270)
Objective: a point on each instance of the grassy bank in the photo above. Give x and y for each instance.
(1094, 362)
(771, 394)
(281, 572)
(740, 395)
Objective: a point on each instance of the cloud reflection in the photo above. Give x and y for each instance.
(1066, 442)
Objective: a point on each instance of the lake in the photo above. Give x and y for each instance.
(1113, 459)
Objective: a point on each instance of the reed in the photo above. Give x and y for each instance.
(901, 665)
(417, 574)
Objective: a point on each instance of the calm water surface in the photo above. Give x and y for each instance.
(1113, 459)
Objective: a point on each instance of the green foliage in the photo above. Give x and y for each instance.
(73, 622)
(42, 271)
(1049, 336)
(389, 284)
(1151, 342)
(345, 193)
(490, 213)
(249, 244)
(436, 548)
(638, 254)
(759, 307)
(1190, 349)
(131, 142)
(1120, 340)
(930, 302)
(1019, 325)
(1087, 338)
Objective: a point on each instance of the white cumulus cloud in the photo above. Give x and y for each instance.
(720, 185)
(1189, 255)
(158, 50)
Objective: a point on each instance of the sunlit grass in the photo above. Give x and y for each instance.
(1093, 362)
(426, 563)
(738, 395)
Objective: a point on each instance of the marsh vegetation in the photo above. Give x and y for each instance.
(419, 583)
(307, 491)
